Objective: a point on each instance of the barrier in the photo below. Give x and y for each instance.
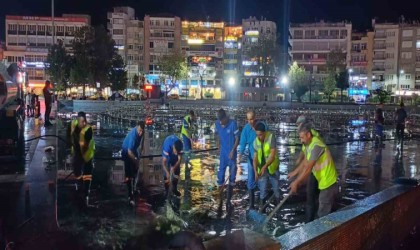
(381, 221)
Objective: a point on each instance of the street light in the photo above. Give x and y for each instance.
(284, 80)
(398, 82)
(231, 81)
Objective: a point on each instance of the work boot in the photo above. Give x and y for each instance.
(175, 190)
(130, 188)
(229, 205)
(251, 199)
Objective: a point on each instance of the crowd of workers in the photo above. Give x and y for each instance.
(314, 167)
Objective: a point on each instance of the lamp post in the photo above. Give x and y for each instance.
(398, 82)
(284, 81)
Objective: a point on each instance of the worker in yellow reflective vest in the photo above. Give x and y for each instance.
(83, 150)
(266, 162)
(311, 183)
(317, 164)
(187, 131)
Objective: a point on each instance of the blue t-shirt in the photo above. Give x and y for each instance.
(227, 135)
(248, 136)
(131, 142)
(168, 145)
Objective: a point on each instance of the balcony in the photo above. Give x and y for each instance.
(359, 63)
(311, 61)
(379, 57)
(378, 68)
(379, 47)
(380, 36)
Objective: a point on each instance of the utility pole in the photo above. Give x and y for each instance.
(53, 24)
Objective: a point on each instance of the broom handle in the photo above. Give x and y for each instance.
(277, 208)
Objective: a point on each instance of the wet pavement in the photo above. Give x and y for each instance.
(37, 198)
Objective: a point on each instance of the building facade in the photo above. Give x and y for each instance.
(312, 42)
(409, 65)
(232, 57)
(162, 36)
(29, 37)
(203, 45)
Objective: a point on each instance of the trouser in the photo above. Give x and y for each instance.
(187, 148)
(312, 195)
(274, 181)
(325, 199)
(400, 132)
(47, 112)
(83, 170)
(224, 163)
(130, 170)
(251, 175)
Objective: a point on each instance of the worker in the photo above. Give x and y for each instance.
(171, 163)
(379, 124)
(319, 164)
(132, 148)
(247, 138)
(83, 149)
(400, 116)
(266, 162)
(187, 130)
(48, 103)
(28, 104)
(228, 132)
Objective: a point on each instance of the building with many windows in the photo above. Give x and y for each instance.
(28, 39)
(232, 55)
(409, 65)
(202, 43)
(312, 42)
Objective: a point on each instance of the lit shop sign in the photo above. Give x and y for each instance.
(35, 64)
(247, 73)
(148, 87)
(195, 41)
(249, 63)
(353, 92)
(252, 33)
(231, 39)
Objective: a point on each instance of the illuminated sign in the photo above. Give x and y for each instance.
(252, 33)
(200, 59)
(249, 63)
(353, 92)
(148, 87)
(195, 41)
(35, 64)
(231, 38)
(248, 73)
(121, 47)
(49, 19)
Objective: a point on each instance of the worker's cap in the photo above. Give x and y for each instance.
(301, 119)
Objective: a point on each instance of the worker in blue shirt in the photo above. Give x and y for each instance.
(132, 148)
(228, 132)
(171, 162)
(248, 136)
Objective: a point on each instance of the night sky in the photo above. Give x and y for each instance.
(359, 12)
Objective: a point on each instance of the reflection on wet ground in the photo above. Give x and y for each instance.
(363, 170)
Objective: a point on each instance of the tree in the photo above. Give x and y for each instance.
(118, 74)
(342, 82)
(83, 60)
(58, 65)
(329, 85)
(175, 67)
(336, 61)
(135, 81)
(298, 80)
(103, 54)
(383, 95)
(267, 52)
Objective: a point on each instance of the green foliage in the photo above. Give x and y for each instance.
(103, 52)
(298, 80)
(208, 94)
(336, 61)
(58, 65)
(383, 96)
(415, 98)
(267, 52)
(329, 85)
(118, 74)
(135, 81)
(342, 82)
(175, 67)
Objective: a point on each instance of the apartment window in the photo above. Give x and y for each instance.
(141, 57)
(31, 28)
(363, 46)
(343, 34)
(356, 47)
(407, 44)
(172, 23)
(418, 44)
(298, 34)
(118, 21)
(12, 41)
(407, 33)
(130, 46)
(157, 23)
(407, 76)
(390, 33)
(12, 26)
(170, 45)
(140, 47)
(309, 34)
(406, 55)
(118, 32)
(334, 33)
(389, 55)
(323, 33)
(165, 23)
(405, 86)
(151, 45)
(389, 45)
(130, 35)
